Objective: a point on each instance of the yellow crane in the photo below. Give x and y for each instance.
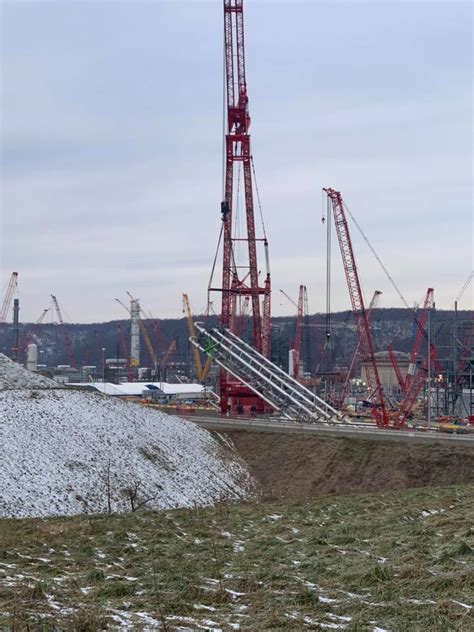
(169, 351)
(201, 371)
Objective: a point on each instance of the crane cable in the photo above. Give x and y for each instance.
(464, 287)
(215, 257)
(258, 198)
(224, 112)
(372, 249)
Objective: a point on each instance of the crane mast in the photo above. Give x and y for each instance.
(201, 371)
(67, 340)
(8, 296)
(298, 331)
(420, 334)
(416, 376)
(237, 151)
(359, 349)
(28, 336)
(357, 301)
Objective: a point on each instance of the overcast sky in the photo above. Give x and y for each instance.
(111, 147)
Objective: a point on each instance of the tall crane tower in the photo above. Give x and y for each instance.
(357, 301)
(240, 280)
(67, 340)
(12, 284)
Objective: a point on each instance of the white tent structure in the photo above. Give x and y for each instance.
(148, 389)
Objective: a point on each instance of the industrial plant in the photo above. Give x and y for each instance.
(218, 419)
(247, 365)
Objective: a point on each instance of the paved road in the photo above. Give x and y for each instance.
(337, 430)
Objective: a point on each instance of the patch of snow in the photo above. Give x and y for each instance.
(55, 605)
(63, 449)
(352, 595)
(275, 517)
(234, 593)
(201, 606)
(208, 625)
(338, 617)
(464, 605)
(431, 512)
(238, 547)
(13, 376)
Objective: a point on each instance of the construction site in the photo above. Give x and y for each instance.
(248, 461)
(234, 359)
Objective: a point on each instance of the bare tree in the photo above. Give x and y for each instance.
(107, 488)
(131, 492)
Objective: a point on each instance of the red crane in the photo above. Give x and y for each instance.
(416, 376)
(396, 368)
(358, 351)
(238, 153)
(8, 296)
(28, 336)
(358, 308)
(296, 345)
(420, 322)
(67, 340)
(420, 334)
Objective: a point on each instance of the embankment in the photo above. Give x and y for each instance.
(293, 466)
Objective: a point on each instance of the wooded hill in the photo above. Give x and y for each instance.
(389, 325)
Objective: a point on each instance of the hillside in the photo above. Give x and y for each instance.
(376, 562)
(389, 326)
(66, 452)
(290, 466)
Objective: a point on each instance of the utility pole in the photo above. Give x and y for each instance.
(16, 328)
(103, 365)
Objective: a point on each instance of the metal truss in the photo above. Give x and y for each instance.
(282, 392)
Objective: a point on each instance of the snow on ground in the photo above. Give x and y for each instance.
(13, 375)
(67, 452)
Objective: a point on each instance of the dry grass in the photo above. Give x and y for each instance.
(397, 561)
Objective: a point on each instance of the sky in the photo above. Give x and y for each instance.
(111, 148)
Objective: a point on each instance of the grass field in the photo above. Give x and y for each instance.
(386, 561)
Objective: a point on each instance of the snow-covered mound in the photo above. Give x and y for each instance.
(66, 452)
(13, 375)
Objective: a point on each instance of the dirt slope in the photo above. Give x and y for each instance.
(291, 466)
